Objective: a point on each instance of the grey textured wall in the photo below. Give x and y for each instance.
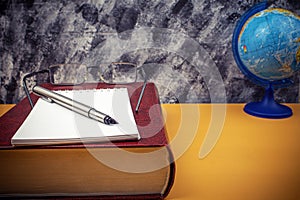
(184, 45)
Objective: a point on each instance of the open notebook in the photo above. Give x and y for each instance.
(49, 123)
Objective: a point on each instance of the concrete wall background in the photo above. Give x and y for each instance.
(159, 34)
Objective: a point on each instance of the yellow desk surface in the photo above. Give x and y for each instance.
(253, 158)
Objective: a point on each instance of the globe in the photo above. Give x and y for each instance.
(266, 48)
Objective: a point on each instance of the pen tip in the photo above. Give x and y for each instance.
(108, 120)
(112, 121)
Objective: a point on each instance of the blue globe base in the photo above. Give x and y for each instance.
(268, 107)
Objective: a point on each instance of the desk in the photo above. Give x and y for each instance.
(253, 158)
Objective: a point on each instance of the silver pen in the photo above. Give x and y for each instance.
(73, 105)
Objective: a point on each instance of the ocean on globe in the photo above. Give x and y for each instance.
(269, 45)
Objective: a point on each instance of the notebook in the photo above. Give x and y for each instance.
(50, 123)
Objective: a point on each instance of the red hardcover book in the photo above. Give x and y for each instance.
(141, 169)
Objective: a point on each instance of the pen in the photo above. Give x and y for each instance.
(75, 106)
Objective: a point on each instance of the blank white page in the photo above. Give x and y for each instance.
(50, 123)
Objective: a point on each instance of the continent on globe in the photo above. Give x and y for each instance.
(298, 53)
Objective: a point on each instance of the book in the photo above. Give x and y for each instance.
(71, 127)
(134, 169)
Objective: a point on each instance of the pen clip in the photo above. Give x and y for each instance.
(47, 99)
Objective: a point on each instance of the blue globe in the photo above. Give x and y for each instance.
(266, 47)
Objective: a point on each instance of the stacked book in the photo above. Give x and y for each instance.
(137, 167)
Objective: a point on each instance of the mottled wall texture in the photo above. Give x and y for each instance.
(184, 46)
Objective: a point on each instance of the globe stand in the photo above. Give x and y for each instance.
(268, 107)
